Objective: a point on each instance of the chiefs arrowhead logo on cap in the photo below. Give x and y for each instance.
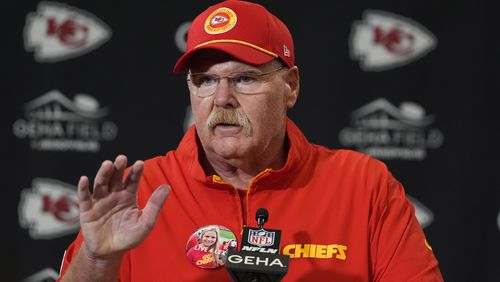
(220, 21)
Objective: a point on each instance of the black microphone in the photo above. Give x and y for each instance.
(258, 259)
(262, 215)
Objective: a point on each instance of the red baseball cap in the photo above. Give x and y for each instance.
(244, 30)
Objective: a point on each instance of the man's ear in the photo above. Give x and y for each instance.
(293, 86)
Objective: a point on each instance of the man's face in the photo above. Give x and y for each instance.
(234, 125)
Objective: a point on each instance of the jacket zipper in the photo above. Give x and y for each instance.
(243, 202)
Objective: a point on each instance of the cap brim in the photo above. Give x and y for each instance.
(241, 52)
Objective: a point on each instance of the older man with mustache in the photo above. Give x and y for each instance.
(343, 216)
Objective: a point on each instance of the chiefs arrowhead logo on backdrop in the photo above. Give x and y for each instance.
(424, 215)
(56, 32)
(45, 275)
(384, 41)
(49, 209)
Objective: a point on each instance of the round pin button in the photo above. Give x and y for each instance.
(207, 247)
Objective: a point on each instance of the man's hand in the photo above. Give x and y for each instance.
(110, 219)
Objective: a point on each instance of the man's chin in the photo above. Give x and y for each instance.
(228, 147)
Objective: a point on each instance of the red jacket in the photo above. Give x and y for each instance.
(343, 217)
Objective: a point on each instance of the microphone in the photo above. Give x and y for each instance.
(258, 259)
(262, 215)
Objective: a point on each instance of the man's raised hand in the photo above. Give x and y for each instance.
(111, 220)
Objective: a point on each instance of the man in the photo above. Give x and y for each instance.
(343, 216)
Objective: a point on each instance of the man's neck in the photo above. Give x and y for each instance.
(239, 172)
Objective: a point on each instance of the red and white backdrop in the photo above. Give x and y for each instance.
(412, 83)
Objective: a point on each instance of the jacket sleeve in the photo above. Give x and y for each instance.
(70, 252)
(399, 250)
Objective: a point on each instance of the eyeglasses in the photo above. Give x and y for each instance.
(249, 82)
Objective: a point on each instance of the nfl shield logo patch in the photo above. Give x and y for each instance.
(261, 238)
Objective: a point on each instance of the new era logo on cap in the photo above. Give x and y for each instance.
(244, 30)
(286, 51)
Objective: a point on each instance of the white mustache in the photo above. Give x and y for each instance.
(224, 116)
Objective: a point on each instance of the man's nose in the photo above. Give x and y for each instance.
(224, 94)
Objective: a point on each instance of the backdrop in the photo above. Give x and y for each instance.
(411, 83)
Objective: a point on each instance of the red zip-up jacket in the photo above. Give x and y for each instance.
(343, 217)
